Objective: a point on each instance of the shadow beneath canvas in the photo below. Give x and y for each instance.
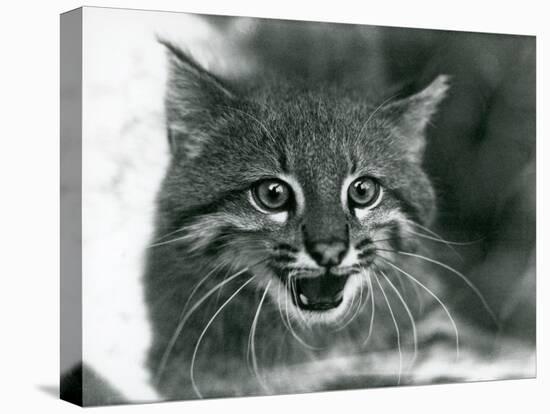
(51, 390)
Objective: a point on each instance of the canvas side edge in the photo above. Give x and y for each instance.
(71, 206)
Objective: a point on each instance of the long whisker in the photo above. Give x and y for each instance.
(409, 313)
(293, 291)
(283, 319)
(198, 248)
(181, 238)
(395, 324)
(198, 285)
(188, 237)
(173, 292)
(281, 347)
(367, 298)
(344, 317)
(437, 237)
(437, 240)
(251, 344)
(419, 299)
(357, 309)
(291, 329)
(184, 319)
(463, 277)
(424, 236)
(412, 278)
(449, 244)
(386, 239)
(170, 233)
(373, 307)
(218, 295)
(192, 368)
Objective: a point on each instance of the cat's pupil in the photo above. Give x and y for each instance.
(274, 195)
(361, 189)
(275, 191)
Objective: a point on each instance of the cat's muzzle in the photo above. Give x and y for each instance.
(319, 293)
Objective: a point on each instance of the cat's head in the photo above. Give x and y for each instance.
(307, 187)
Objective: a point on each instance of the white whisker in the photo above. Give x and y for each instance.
(293, 290)
(184, 237)
(463, 277)
(356, 312)
(291, 329)
(437, 237)
(438, 240)
(184, 319)
(283, 319)
(395, 324)
(192, 368)
(419, 299)
(251, 343)
(409, 313)
(198, 285)
(169, 234)
(432, 295)
(373, 307)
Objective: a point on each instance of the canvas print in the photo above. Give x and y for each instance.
(257, 206)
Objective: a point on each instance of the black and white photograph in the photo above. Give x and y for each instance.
(274, 206)
(246, 207)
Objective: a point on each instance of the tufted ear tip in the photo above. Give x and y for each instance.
(421, 106)
(438, 87)
(171, 48)
(186, 73)
(182, 61)
(411, 116)
(434, 93)
(193, 100)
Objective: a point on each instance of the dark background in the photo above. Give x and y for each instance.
(481, 145)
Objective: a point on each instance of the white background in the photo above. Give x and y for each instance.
(29, 212)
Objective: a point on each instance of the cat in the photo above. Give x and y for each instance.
(286, 207)
(294, 246)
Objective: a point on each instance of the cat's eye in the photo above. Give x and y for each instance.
(364, 192)
(272, 195)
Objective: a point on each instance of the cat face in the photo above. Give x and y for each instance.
(305, 188)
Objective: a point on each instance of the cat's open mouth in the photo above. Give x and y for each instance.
(320, 293)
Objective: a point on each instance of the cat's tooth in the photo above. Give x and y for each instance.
(304, 300)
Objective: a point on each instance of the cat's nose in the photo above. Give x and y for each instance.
(328, 254)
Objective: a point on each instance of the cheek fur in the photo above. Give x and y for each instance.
(205, 230)
(386, 229)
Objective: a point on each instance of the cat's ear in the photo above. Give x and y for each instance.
(410, 116)
(195, 99)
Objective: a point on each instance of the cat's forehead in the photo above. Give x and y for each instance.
(319, 133)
